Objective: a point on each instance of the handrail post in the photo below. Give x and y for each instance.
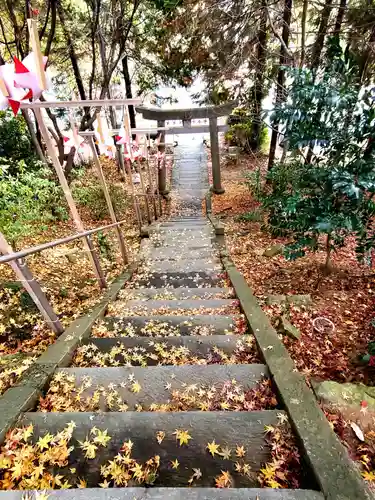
(69, 198)
(108, 199)
(33, 288)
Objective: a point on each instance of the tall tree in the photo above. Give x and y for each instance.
(260, 76)
(280, 91)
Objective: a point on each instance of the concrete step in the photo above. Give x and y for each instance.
(207, 348)
(193, 305)
(185, 225)
(140, 493)
(157, 383)
(199, 279)
(171, 325)
(176, 293)
(204, 228)
(176, 253)
(227, 429)
(184, 245)
(184, 265)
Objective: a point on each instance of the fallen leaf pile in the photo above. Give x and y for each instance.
(159, 328)
(54, 461)
(284, 469)
(65, 394)
(345, 297)
(359, 443)
(159, 353)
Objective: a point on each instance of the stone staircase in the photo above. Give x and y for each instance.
(171, 376)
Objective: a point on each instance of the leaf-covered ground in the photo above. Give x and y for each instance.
(64, 272)
(345, 297)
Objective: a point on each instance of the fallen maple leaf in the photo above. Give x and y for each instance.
(240, 451)
(213, 448)
(160, 435)
(136, 387)
(224, 480)
(183, 436)
(225, 453)
(175, 464)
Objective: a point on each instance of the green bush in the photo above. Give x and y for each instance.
(241, 134)
(27, 198)
(92, 197)
(15, 144)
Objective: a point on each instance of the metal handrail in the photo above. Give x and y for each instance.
(39, 248)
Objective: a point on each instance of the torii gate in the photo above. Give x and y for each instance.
(186, 115)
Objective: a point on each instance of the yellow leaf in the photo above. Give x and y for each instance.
(182, 436)
(102, 437)
(369, 476)
(43, 443)
(175, 464)
(89, 449)
(28, 432)
(213, 448)
(17, 471)
(136, 387)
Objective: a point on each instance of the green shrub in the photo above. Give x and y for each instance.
(92, 197)
(27, 198)
(241, 134)
(15, 144)
(253, 216)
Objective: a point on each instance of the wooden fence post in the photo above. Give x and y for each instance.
(39, 298)
(107, 196)
(69, 198)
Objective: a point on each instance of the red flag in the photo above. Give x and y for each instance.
(19, 67)
(15, 105)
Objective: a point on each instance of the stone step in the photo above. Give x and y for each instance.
(202, 228)
(227, 429)
(201, 347)
(185, 244)
(183, 265)
(185, 225)
(176, 293)
(199, 279)
(173, 305)
(176, 253)
(154, 493)
(172, 325)
(157, 383)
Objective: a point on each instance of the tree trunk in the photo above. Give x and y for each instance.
(366, 56)
(34, 138)
(258, 93)
(303, 35)
(316, 53)
(322, 31)
(128, 90)
(280, 91)
(339, 17)
(74, 61)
